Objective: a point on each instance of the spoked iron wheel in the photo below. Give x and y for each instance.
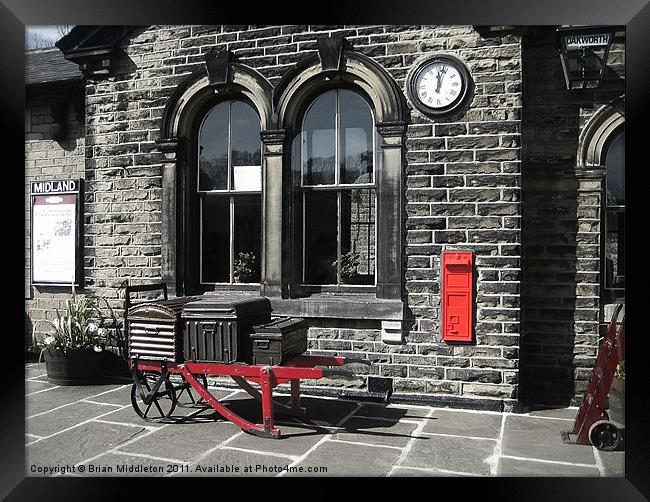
(186, 387)
(162, 403)
(604, 435)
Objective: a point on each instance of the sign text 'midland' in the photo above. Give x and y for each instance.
(55, 186)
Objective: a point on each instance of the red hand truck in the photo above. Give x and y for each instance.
(592, 424)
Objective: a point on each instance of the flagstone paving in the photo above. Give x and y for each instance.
(94, 431)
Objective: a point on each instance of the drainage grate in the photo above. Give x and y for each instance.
(380, 387)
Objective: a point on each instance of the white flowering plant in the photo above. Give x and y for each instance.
(83, 324)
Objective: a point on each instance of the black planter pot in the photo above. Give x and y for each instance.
(74, 366)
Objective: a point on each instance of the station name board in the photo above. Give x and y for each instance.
(55, 186)
(592, 40)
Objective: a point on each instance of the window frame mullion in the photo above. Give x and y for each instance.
(337, 182)
(338, 237)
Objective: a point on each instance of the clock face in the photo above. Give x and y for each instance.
(438, 85)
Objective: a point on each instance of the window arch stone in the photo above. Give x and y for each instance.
(598, 129)
(179, 116)
(354, 69)
(337, 65)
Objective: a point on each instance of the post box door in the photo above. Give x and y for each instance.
(457, 308)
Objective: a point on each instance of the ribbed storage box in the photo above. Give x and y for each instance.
(279, 341)
(155, 329)
(217, 329)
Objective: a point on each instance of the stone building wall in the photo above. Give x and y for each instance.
(561, 224)
(47, 159)
(461, 179)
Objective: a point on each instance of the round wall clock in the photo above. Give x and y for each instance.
(438, 85)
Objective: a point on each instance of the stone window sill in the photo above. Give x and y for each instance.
(332, 305)
(342, 306)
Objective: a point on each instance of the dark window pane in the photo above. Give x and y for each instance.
(213, 149)
(215, 239)
(246, 141)
(248, 237)
(320, 237)
(358, 237)
(615, 249)
(319, 141)
(356, 138)
(615, 162)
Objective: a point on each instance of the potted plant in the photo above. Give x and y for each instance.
(244, 269)
(617, 395)
(349, 263)
(73, 348)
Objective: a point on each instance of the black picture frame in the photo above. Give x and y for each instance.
(78, 236)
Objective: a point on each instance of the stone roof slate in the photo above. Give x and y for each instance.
(49, 65)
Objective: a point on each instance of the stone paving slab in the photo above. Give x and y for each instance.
(540, 438)
(65, 395)
(36, 371)
(456, 454)
(327, 412)
(392, 412)
(613, 462)
(408, 472)
(295, 440)
(351, 459)
(183, 442)
(567, 413)
(76, 445)
(119, 395)
(520, 467)
(380, 432)
(35, 386)
(468, 423)
(65, 417)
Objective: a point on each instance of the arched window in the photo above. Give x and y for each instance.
(335, 183)
(228, 193)
(614, 215)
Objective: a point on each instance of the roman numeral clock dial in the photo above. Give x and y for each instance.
(439, 85)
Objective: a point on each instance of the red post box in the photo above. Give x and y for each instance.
(457, 269)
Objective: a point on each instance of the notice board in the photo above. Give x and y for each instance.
(56, 232)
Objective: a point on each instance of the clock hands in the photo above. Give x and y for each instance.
(439, 77)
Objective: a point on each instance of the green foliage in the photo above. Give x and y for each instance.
(620, 371)
(245, 266)
(349, 263)
(83, 324)
(355, 197)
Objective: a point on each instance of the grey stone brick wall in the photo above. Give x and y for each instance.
(561, 225)
(461, 179)
(46, 159)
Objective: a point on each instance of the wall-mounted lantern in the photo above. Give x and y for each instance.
(583, 53)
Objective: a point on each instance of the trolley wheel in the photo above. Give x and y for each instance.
(163, 403)
(604, 435)
(187, 387)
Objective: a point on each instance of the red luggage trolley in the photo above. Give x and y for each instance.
(157, 332)
(153, 387)
(592, 424)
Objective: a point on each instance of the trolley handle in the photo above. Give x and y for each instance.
(327, 372)
(348, 360)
